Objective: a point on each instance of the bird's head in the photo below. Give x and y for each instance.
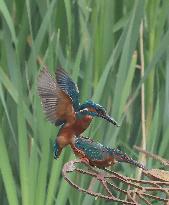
(96, 110)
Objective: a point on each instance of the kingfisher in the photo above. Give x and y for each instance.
(60, 102)
(96, 154)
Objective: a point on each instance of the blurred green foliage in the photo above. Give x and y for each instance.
(97, 42)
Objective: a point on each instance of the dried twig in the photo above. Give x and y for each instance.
(133, 191)
(143, 145)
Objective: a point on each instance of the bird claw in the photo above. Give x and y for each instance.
(84, 160)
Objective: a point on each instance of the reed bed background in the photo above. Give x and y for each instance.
(118, 53)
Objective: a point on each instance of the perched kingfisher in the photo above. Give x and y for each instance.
(99, 155)
(60, 101)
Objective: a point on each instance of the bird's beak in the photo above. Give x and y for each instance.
(109, 119)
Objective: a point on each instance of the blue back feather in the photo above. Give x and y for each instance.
(93, 150)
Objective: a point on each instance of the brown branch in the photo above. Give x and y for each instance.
(145, 200)
(137, 190)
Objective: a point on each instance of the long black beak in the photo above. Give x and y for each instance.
(109, 119)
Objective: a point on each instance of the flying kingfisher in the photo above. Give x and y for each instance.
(60, 101)
(99, 155)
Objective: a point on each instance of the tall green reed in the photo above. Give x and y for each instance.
(97, 43)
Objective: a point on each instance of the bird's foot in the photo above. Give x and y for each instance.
(84, 160)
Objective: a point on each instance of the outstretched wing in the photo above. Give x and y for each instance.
(68, 86)
(57, 105)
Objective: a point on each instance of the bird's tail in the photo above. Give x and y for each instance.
(123, 157)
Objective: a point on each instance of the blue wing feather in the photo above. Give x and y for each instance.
(68, 86)
(93, 150)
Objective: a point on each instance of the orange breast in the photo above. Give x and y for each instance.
(103, 163)
(65, 135)
(68, 131)
(82, 124)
